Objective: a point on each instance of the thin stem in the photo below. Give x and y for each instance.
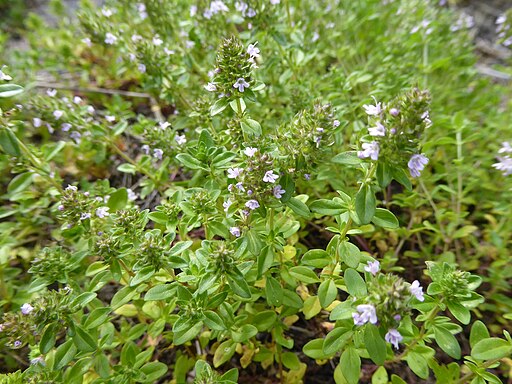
(468, 376)
(436, 210)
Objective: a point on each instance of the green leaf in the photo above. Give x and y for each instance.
(158, 217)
(375, 344)
(265, 259)
(491, 348)
(142, 275)
(347, 158)
(264, 320)
(327, 293)
(223, 159)
(328, 207)
(365, 204)
(224, 352)
(304, 274)
(214, 321)
(314, 349)
(317, 258)
(180, 247)
(400, 176)
(355, 283)
(9, 142)
(298, 207)
(20, 182)
(10, 90)
(385, 219)
(244, 333)
(97, 317)
(418, 364)
(48, 338)
(273, 292)
(251, 127)
(118, 199)
(122, 297)
(238, 284)
(153, 371)
(64, 354)
(290, 361)
(127, 168)
(396, 380)
(188, 332)
(219, 106)
(380, 376)
(190, 162)
(447, 342)
(478, 332)
(336, 340)
(84, 341)
(289, 186)
(459, 311)
(350, 254)
(160, 292)
(350, 363)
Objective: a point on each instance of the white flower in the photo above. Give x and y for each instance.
(51, 92)
(164, 125)
(253, 51)
(505, 147)
(252, 204)
(193, 10)
(370, 150)
(378, 130)
(110, 38)
(227, 204)
(235, 231)
(336, 123)
(394, 337)
(145, 149)
(26, 309)
(77, 99)
(501, 19)
(250, 151)
(233, 173)
(65, 127)
(417, 290)
(168, 51)
(416, 164)
(101, 212)
(373, 267)
(57, 114)
(240, 186)
(373, 110)
(270, 177)
(275, 2)
(180, 139)
(278, 191)
(210, 87)
(142, 68)
(110, 118)
(136, 38)
(157, 41)
(241, 84)
(90, 109)
(132, 196)
(107, 12)
(85, 216)
(87, 41)
(3, 76)
(71, 188)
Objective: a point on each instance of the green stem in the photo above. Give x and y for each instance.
(468, 376)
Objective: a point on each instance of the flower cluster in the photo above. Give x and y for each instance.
(503, 28)
(505, 159)
(395, 129)
(389, 300)
(232, 75)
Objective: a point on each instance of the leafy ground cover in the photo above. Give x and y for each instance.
(263, 191)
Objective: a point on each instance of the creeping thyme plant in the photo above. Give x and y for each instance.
(265, 190)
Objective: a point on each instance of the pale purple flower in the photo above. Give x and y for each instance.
(378, 130)
(227, 204)
(142, 68)
(417, 290)
(278, 191)
(235, 231)
(26, 309)
(142, 11)
(241, 6)
(145, 148)
(51, 92)
(217, 6)
(60, 207)
(17, 344)
(373, 267)
(180, 139)
(501, 19)
(253, 51)
(275, 2)
(270, 177)
(416, 164)
(397, 317)
(373, 110)
(190, 44)
(102, 212)
(250, 151)
(90, 109)
(504, 165)
(71, 188)
(158, 153)
(370, 150)
(336, 123)
(135, 38)
(77, 99)
(193, 10)
(240, 186)
(233, 173)
(307, 176)
(110, 118)
(87, 41)
(65, 127)
(210, 87)
(365, 313)
(37, 122)
(394, 112)
(37, 360)
(75, 135)
(241, 84)
(394, 337)
(315, 37)
(251, 13)
(169, 52)
(85, 216)
(110, 38)
(57, 114)
(505, 147)
(252, 204)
